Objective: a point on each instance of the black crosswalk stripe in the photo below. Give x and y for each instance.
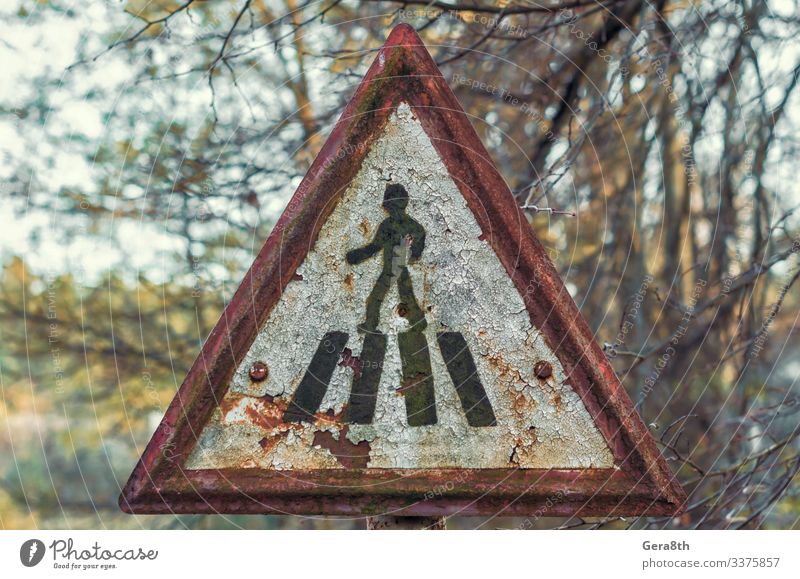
(364, 392)
(465, 377)
(309, 394)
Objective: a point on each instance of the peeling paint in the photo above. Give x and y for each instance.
(461, 286)
(348, 454)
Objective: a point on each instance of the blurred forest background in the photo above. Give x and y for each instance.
(148, 147)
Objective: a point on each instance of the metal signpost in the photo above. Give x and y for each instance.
(402, 347)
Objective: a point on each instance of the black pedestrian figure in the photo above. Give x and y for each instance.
(395, 236)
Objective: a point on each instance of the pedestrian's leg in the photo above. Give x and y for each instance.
(375, 300)
(414, 314)
(416, 386)
(364, 391)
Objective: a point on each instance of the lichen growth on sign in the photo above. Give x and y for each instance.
(461, 287)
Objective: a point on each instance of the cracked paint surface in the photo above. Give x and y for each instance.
(461, 286)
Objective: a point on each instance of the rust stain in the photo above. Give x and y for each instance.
(348, 282)
(505, 370)
(280, 430)
(266, 412)
(426, 284)
(514, 457)
(348, 454)
(266, 420)
(330, 417)
(332, 264)
(230, 402)
(269, 442)
(363, 227)
(350, 361)
(521, 405)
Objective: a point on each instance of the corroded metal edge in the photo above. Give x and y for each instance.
(404, 71)
(429, 492)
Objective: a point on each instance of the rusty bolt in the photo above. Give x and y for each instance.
(258, 371)
(543, 369)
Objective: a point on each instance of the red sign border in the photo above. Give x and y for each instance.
(641, 482)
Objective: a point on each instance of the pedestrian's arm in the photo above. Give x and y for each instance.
(356, 256)
(417, 242)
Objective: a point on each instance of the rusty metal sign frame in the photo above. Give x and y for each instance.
(639, 484)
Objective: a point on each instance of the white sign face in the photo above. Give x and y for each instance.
(400, 343)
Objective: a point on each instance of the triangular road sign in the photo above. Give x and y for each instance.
(402, 344)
